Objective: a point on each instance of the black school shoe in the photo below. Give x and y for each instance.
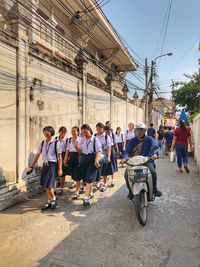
(86, 202)
(130, 196)
(53, 204)
(59, 193)
(46, 206)
(186, 169)
(158, 193)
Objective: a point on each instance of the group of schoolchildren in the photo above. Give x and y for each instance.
(85, 156)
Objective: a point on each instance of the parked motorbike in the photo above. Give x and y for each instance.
(141, 184)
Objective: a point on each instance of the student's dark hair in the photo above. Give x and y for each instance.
(77, 128)
(169, 128)
(117, 129)
(86, 127)
(183, 125)
(151, 124)
(107, 128)
(165, 127)
(49, 129)
(100, 125)
(107, 122)
(62, 129)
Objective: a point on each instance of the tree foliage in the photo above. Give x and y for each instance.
(187, 95)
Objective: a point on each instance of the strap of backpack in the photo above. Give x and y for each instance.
(122, 137)
(41, 146)
(56, 141)
(113, 137)
(94, 145)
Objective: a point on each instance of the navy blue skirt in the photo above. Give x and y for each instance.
(74, 166)
(64, 168)
(110, 167)
(49, 174)
(120, 147)
(88, 171)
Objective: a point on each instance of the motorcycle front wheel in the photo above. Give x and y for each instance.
(141, 207)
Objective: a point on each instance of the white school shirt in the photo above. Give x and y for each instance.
(87, 146)
(71, 147)
(105, 141)
(113, 139)
(63, 143)
(48, 150)
(119, 138)
(129, 134)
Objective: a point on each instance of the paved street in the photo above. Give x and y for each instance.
(108, 234)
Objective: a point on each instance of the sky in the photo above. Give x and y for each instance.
(140, 23)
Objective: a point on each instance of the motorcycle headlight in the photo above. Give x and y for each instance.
(137, 160)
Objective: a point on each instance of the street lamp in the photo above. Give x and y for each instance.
(168, 54)
(153, 62)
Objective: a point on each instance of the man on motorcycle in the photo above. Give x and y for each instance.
(142, 145)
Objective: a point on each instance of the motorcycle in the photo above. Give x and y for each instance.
(141, 184)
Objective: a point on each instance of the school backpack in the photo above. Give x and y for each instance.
(55, 147)
(106, 137)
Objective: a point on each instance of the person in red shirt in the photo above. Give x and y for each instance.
(182, 136)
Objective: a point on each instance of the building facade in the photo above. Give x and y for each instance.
(61, 63)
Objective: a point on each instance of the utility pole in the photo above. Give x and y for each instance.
(150, 106)
(146, 92)
(173, 86)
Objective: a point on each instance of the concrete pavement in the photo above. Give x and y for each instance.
(108, 234)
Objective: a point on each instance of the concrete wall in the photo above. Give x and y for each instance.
(196, 137)
(98, 109)
(8, 113)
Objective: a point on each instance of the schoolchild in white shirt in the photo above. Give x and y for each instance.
(63, 140)
(111, 166)
(51, 152)
(120, 142)
(72, 159)
(105, 141)
(129, 134)
(90, 154)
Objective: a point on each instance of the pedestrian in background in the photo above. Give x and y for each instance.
(129, 134)
(160, 135)
(168, 140)
(151, 131)
(182, 136)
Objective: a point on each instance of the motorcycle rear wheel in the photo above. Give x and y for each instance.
(141, 207)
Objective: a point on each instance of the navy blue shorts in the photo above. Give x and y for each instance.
(74, 166)
(49, 174)
(88, 171)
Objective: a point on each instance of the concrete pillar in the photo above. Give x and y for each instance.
(109, 80)
(22, 98)
(81, 61)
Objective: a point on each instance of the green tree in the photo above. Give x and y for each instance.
(187, 95)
